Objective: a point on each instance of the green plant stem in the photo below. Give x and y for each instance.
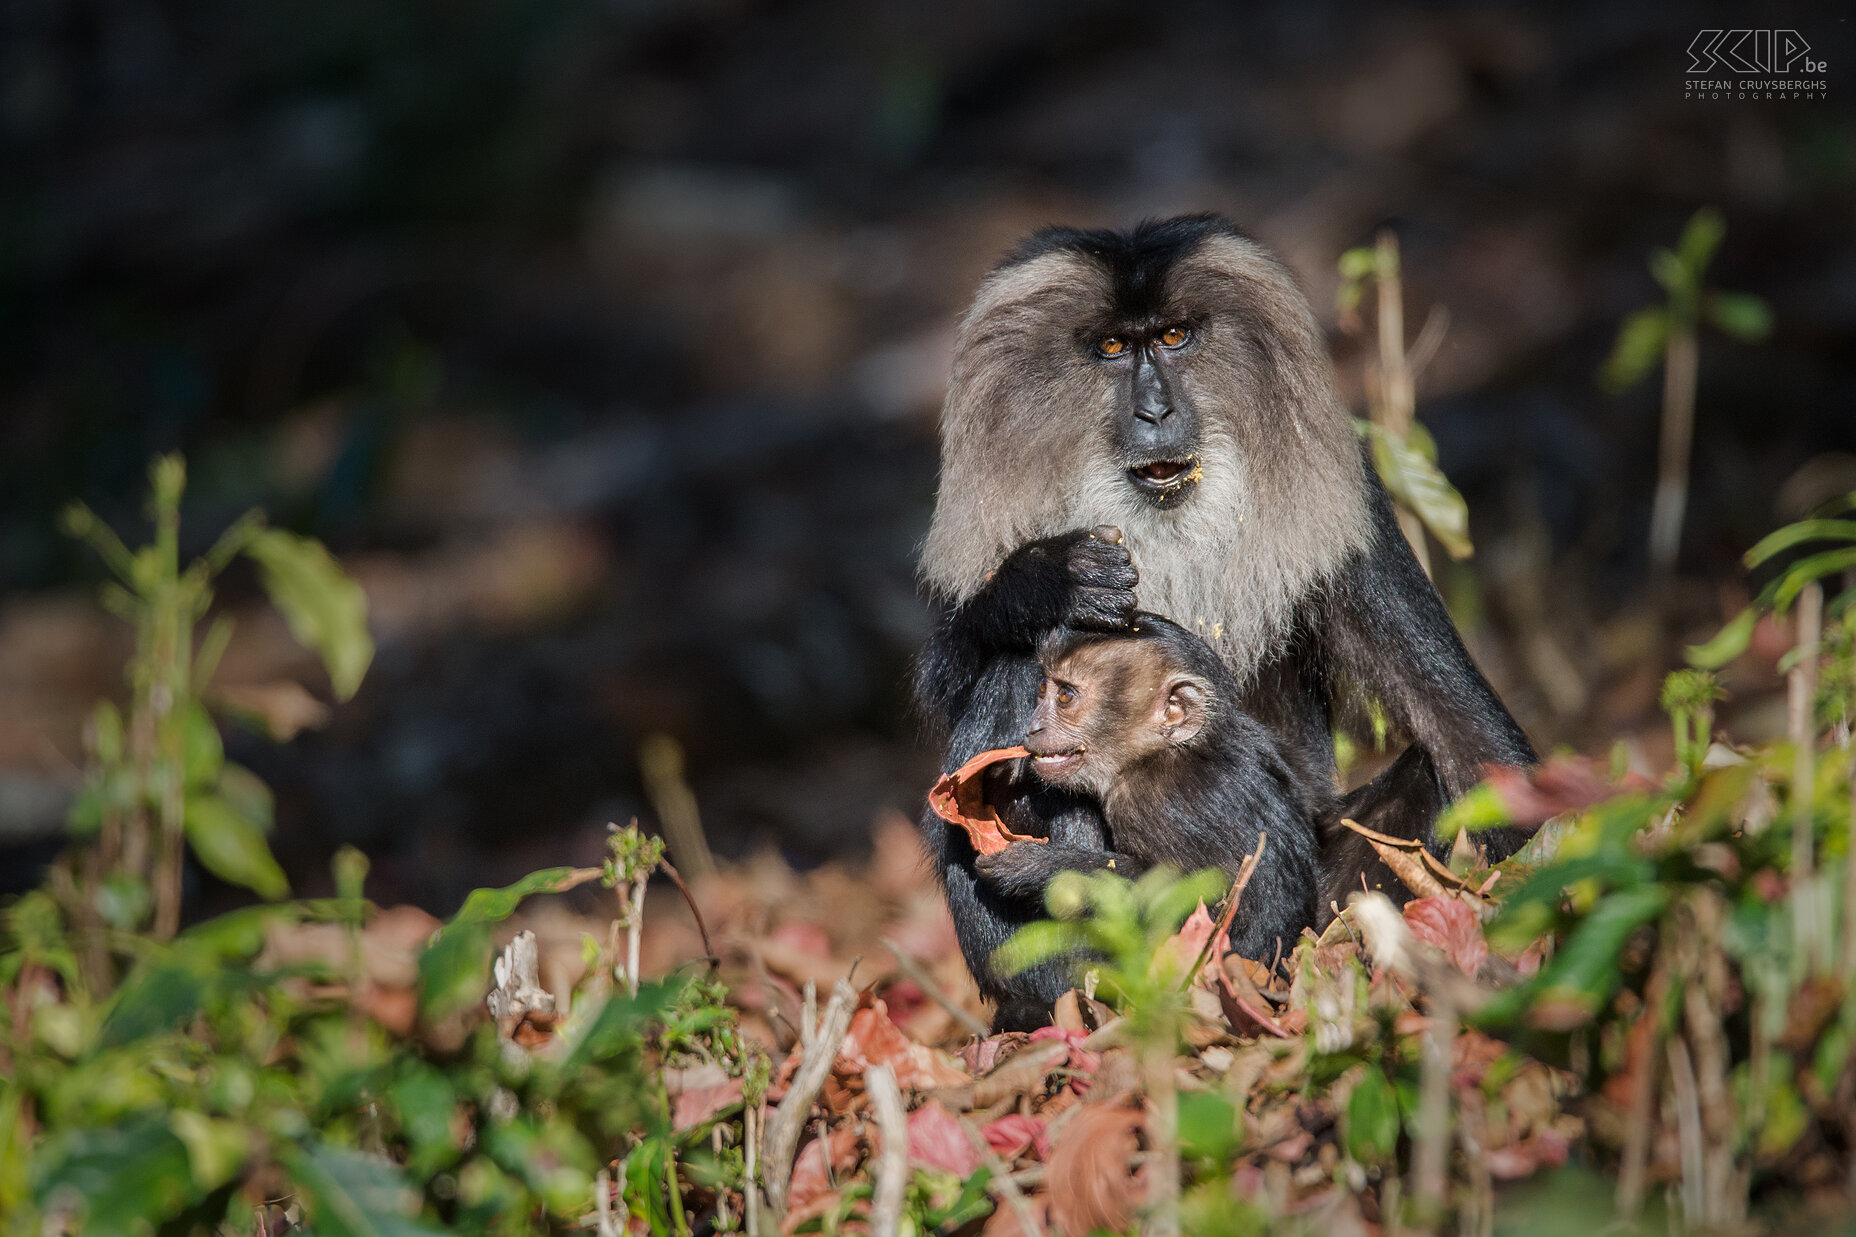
(1160, 1217)
(1398, 402)
(1802, 701)
(1681, 362)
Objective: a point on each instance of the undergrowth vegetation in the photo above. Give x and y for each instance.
(1649, 1013)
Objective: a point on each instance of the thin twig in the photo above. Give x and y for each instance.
(892, 1163)
(1229, 913)
(908, 965)
(695, 911)
(1688, 1131)
(1801, 684)
(634, 929)
(782, 1136)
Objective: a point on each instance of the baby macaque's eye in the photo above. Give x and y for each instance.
(1065, 697)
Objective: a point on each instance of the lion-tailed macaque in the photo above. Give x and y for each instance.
(1148, 727)
(1171, 381)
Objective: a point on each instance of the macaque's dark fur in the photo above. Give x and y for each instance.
(1193, 803)
(1281, 548)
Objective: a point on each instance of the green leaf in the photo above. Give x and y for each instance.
(620, 1023)
(1740, 314)
(1480, 808)
(325, 608)
(1700, 239)
(232, 847)
(1034, 943)
(216, 1149)
(1667, 269)
(1727, 644)
(157, 1000)
(1207, 1126)
(125, 1179)
(492, 906)
(454, 971)
(1818, 566)
(1357, 264)
(205, 752)
(247, 794)
(1372, 1119)
(1797, 534)
(426, 1104)
(355, 1195)
(1639, 347)
(1787, 1118)
(1417, 483)
(1585, 970)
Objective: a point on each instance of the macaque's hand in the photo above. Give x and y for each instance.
(1102, 580)
(1022, 869)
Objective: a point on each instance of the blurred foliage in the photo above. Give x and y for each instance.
(158, 774)
(1680, 272)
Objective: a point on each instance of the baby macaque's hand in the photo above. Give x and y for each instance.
(1021, 870)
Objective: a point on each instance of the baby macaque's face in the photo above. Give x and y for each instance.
(1103, 705)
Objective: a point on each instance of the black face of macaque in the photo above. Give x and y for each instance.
(1148, 726)
(1170, 385)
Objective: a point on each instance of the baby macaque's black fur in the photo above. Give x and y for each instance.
(1199, 797)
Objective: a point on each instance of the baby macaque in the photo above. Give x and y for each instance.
(1146, 723)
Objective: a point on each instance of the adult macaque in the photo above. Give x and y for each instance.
(1147, 726)
(1171, 381)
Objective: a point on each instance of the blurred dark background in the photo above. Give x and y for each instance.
(604, 342)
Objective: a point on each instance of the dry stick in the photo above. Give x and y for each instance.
(892, 1163)
(1003, 1185)
(1229, 913)
(1397, 397)
(602, 1200)
(1160, 1215)
(1631, 1172)
(634, 929)
(1681, 360)
(1801, 683)
(1431, 1157)
(695, 911)
(821, 1049)
(750, 1188)
(1688, 1130)
(910, 966)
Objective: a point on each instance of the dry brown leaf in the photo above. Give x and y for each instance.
(283, 708)
(1090, 1178)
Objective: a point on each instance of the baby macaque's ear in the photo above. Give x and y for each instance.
(1182, 710)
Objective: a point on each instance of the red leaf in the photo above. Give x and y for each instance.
(810, 1180)
(1012, 1134)
(959, 798)
(874, 1040)
(1185, 945)
(1452, 926)
(1562, 784)
(936, 1140)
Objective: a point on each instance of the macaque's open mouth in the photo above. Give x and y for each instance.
(1163, 474)
(1057, 764)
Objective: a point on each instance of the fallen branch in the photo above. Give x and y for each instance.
(789, 1119)
(891, 1173)
(909, 966)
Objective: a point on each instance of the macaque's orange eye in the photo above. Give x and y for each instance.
(1065, 697)
(1112, 346)
(1174, 336)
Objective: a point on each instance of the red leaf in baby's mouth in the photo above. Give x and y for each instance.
(959, 798)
